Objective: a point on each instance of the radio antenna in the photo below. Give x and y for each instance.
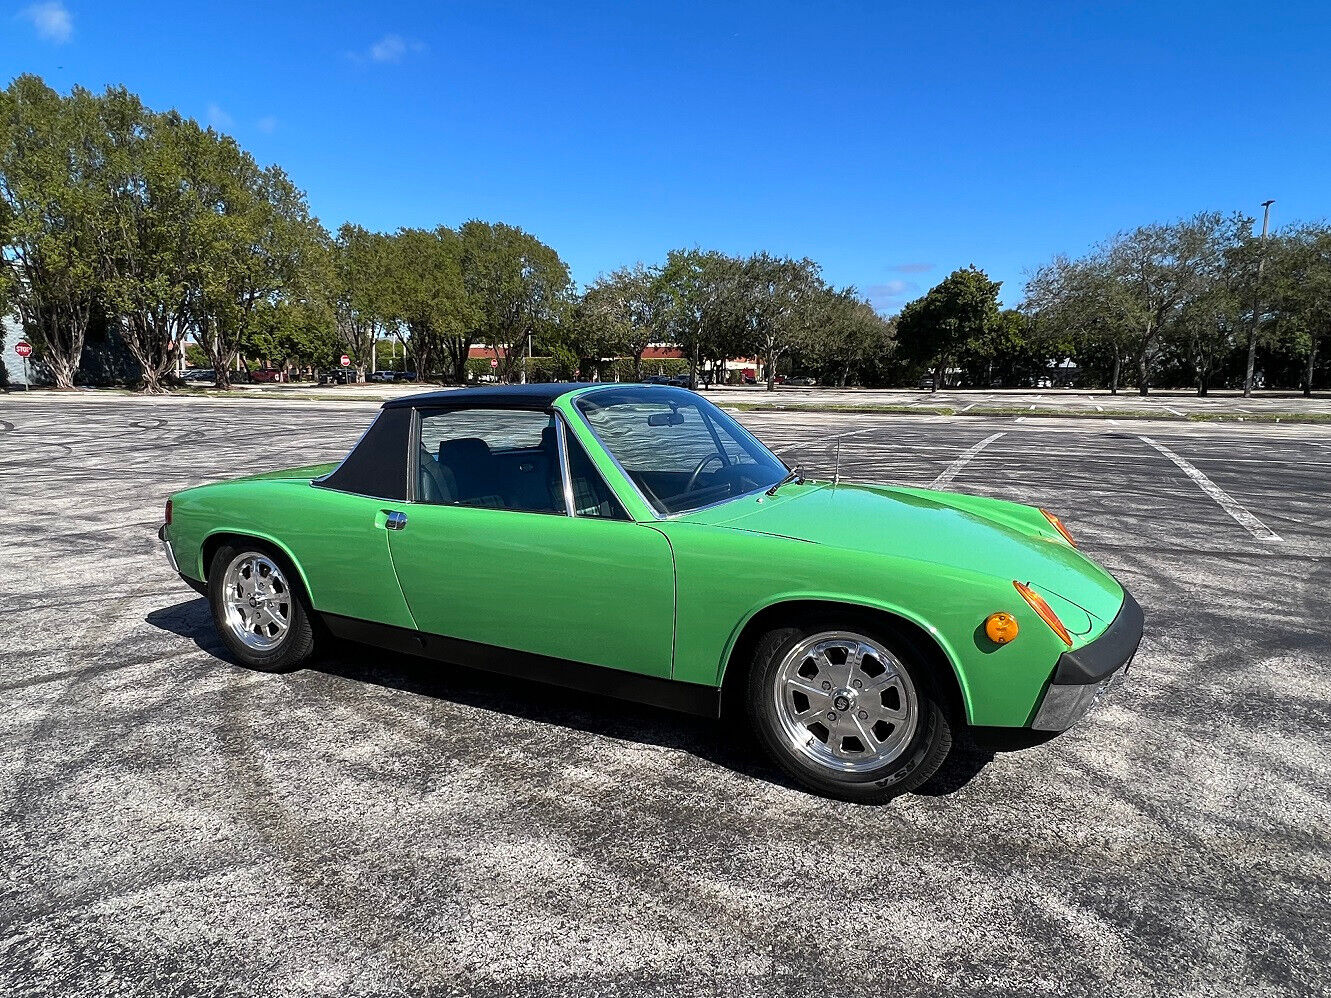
(836, 470)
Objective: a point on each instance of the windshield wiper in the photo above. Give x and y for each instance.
(791, 476)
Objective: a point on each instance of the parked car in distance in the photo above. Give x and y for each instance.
(267, 375)
(199, 374)
(802, 382)
(385, 376)
(337, 376)
(636, 540)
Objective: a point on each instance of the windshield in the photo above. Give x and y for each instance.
(681, 451)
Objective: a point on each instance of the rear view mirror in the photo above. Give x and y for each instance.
(672, 418)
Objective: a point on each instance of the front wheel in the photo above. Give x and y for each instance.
(261, 616)
(846, 713)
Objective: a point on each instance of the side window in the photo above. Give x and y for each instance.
(489, 458)
(591, 496)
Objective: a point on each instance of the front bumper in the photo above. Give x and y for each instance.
(1083, 676)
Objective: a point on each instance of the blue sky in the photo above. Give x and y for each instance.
(890, 142)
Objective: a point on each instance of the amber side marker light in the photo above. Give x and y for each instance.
(1057, 524)
(1045, 611)
(1001, 627)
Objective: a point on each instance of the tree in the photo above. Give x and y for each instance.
(292, 332)
(933, 330)
(625, 311)
(1009, 351)
(781, 293)
(1299, 289)
(516, 288)
(1159, 268)
(260, 245)
(1079, 304)
(695, 287)
(49, 203)
(843, 333)
(148, 239)
(427, 297)
(361, 279)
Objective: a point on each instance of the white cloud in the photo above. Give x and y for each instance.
(891, 294)
(389, 48)
(913, 268)
(267, 124)
(218, 118)
(50, 19)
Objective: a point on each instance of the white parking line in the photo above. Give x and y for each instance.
(1223, 499)
(950, 472)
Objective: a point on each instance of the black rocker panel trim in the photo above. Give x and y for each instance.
(1092, 662)
(688, 698)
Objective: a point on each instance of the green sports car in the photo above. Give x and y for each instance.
(635, 540)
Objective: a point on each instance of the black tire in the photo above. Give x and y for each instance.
(918, 760)
(297, 646)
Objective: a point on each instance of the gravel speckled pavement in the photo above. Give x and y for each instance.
(172, 823)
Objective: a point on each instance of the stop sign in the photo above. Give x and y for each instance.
(494, 363)
(345, 361)
(23, 348)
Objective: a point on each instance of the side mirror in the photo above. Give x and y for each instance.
(672, 418)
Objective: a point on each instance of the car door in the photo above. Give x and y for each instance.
(488, 552)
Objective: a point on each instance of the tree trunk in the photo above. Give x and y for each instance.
(63, 348)
(1118, 364)
(694, 360)
(1144, 365)
(771, 371)
(637, 366)
(1308, 372)
(62, 371)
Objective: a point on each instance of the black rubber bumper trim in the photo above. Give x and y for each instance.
(1107, 653)
(689, 698)
(199, 587)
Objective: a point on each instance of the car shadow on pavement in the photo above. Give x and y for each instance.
(723, 743)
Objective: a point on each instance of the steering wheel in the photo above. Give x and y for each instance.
(693, 478)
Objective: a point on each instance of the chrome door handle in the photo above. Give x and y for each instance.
(395, 520)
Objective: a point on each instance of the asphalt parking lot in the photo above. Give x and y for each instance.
(171, 823)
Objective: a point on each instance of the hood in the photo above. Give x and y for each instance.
(990, 536)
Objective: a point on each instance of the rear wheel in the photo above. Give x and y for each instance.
(259, 611)
(847, 713)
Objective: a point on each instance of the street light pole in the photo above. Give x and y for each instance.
(1256, 288)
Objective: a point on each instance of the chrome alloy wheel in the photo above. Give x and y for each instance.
(257, 601)
(845, 702)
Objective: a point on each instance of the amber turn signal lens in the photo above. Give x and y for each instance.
(1001, 627)
(1058, 525)
(1045, 611)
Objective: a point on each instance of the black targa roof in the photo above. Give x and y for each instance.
(504, 396)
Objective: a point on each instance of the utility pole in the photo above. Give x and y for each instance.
(1256, 288)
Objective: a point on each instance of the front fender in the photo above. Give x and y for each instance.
(833, 598)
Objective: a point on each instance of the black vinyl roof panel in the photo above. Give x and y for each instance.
(537, 396)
